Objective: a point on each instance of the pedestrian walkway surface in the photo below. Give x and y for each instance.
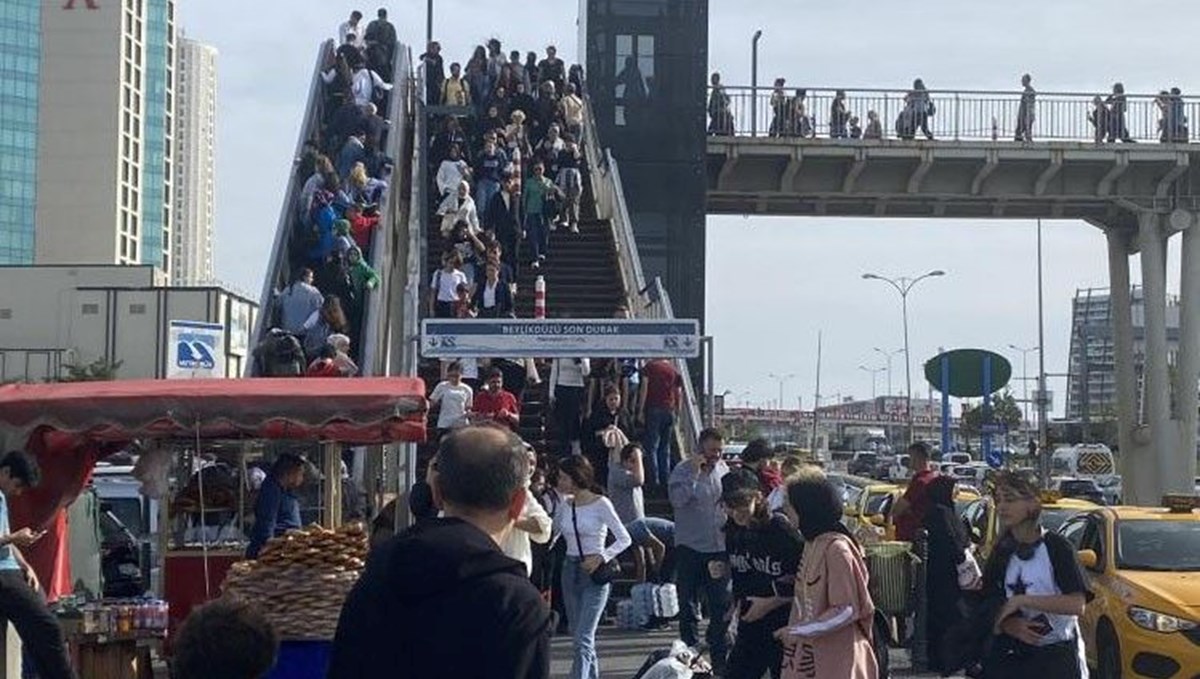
(622, 653)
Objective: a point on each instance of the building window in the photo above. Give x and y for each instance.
(5, 314)
(90, 309)
(137, 309)
(635, 77)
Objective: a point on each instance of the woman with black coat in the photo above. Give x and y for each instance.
(947, 543)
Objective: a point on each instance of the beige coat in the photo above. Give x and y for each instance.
(833, 611)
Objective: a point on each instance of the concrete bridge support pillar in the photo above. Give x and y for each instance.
(1156, 392)
(1180, 468)
(1134, 457)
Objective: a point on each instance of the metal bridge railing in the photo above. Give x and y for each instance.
(644, 299)
(964, 115)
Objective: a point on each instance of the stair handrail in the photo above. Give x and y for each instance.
(280, 262)
(643, 300)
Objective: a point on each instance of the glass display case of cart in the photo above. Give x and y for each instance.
(211, 498)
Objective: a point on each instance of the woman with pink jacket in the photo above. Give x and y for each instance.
(828, 635)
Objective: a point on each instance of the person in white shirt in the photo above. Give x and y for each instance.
(352, 27)
(452, 172)
(363, 85)
(584, 521)
(533, 525)
(454, 400)
(568, 382)
(459, 207)
(443, 288)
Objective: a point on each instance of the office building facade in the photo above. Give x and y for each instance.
(195, 163)
(86, 108)
(1091, 380)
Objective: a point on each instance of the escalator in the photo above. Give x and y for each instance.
(372, 337)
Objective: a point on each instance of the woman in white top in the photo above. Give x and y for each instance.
(584, 521)
(454, 400)
(568, 381)
(459, 207)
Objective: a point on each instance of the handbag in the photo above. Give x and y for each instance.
(969, 574)
(607, 571)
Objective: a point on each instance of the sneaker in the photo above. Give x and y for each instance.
(537, 264)
(541, 258)
(554, 226)
(574, 228)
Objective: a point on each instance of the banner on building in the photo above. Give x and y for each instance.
(563, 338)
(195, 350)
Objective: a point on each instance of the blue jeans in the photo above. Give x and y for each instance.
(641, 529)
(584, 601)
(538, 235)
(484, 190)
(694, 581)
(659, 425)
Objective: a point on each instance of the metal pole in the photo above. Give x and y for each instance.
(428, 22)
(816, 398)
(907, 366)
(1043, 454)
(706, 344)
(753, 85)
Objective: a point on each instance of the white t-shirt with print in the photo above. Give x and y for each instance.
(455, 402)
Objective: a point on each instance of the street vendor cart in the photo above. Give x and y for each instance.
(69, 427)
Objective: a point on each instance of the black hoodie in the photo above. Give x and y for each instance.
(442, 600)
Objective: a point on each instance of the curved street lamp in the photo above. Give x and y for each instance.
(904, 285)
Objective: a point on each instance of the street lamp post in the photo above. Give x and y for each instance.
(428, 22)
(874, 373)
(781, 379)
(904, 286)
(888, 355)
(754, 83)
(1025, 381)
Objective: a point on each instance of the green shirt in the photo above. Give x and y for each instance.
(536, 190)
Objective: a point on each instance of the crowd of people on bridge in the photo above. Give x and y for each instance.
(791, 115)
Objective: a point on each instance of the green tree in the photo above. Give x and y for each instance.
(1004, 411)
(99, 370)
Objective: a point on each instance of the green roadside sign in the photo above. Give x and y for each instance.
(967, 372)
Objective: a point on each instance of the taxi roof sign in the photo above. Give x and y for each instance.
(1050, 496)
(1181, 503)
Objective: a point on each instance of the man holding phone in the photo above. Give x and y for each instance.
(20, 599)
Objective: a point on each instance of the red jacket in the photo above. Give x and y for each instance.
(361, 227)
(488, 404)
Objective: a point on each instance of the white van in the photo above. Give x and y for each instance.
(1085, 461)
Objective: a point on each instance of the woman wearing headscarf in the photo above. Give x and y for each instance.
(947, 543)
(829, 631)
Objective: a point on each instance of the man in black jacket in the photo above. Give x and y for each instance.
(501, 216)
(441, 599)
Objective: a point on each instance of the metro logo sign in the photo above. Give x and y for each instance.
(91, 4)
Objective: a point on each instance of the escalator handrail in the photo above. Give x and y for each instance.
(376, 319)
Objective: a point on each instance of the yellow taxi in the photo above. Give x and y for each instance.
(869, 512)
(980, 517)
(1143, 564)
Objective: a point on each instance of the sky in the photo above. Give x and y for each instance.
(806, 270)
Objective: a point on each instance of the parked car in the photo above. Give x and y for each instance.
(1080, 489)
(863, 463)
(732, 453)
(1112, 488)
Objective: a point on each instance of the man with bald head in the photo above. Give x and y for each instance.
(441, 599)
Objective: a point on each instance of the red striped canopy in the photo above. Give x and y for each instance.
(360, 411)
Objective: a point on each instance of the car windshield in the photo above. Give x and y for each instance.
(879, 504)
(128, 511)
(1052, 518)
(1158, 545)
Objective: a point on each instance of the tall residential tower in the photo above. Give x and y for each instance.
(195, 139)
(86, 118)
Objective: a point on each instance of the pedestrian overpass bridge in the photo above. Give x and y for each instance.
(783, 158)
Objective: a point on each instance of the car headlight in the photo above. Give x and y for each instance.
(1159, 622)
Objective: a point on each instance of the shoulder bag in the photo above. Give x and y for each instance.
(607, 571)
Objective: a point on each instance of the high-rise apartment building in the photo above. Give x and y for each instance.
(195, 139)
(1091, 377)
(86, 118)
